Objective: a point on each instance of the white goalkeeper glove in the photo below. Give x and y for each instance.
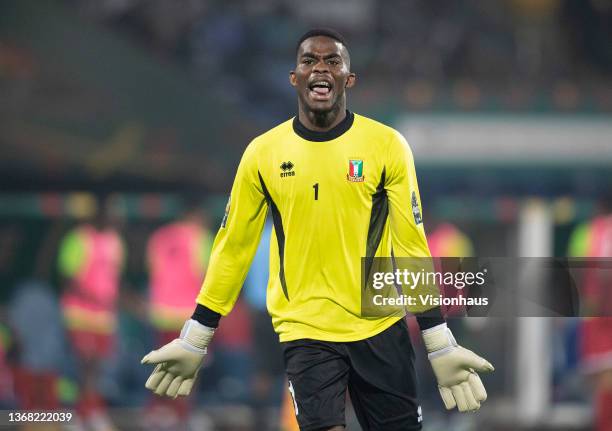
(455, 369)
(179, 361)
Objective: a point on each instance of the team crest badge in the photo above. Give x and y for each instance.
(355, 173)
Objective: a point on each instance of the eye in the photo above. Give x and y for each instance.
(307, 61)
(333, 62)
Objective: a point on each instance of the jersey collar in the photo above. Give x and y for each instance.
(311, 135)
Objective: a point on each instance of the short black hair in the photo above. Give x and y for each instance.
(321, 32)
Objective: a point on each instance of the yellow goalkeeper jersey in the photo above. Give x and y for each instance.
(335, 197)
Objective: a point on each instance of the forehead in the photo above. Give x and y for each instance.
(321, 45)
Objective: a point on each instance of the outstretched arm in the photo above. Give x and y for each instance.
(178, 362)
(455, 368)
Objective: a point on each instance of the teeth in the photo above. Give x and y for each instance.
(321, 84)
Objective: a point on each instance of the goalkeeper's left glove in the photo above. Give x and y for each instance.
(455, 369)
(179, 361)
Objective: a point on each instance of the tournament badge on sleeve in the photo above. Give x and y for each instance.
(355, 173)
(227, 210)
(416, 211)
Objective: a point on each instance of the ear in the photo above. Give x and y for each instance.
(292, 78)
(350, 80)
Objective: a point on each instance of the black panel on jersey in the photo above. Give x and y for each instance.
(280, 234)
(336, 131)
(378, 218)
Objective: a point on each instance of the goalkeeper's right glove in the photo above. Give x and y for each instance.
(456, 369)
(179, 361)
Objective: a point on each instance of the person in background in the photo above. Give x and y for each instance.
(91, 260)
(35, 318)
(177, 256)
(594, 239)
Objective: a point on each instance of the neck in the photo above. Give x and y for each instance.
(322, 121)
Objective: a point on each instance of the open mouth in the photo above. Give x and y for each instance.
(320, 90)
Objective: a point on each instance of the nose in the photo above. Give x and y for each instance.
(321, 67)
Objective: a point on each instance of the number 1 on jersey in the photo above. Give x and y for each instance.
(316, 191)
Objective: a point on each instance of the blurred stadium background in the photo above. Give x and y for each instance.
(148, 104)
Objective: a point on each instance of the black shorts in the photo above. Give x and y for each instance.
(378, 372)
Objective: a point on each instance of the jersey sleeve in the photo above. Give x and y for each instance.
(405, 217)
(406, 220)
(236, 242)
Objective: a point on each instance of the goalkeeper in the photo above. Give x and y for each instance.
(339, 186)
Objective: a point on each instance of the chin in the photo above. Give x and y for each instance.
(323, 108)
(317, 109)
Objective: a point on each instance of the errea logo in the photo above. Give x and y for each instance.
(287, 168)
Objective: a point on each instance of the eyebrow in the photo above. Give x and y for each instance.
(327, 57)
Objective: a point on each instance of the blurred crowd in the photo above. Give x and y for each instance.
(155, 91)
(432, 53)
